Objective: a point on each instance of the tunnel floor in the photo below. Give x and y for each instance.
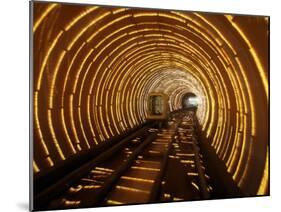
(163, 164)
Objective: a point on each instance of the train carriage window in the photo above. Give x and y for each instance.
(156, 105)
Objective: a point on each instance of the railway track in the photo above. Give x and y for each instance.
(153, 165)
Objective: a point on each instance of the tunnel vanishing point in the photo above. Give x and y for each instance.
(135, 105)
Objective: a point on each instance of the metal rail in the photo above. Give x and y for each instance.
(154, 196)
(119, 172)
(42, 199)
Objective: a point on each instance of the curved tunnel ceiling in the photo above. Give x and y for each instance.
(95, 66)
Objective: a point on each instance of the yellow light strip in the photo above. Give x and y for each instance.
(90, 122)
(98, 171)
(43, 16)
(104, 169)
(253, 112)
(55, 141)
(187, 161)
(249, 157)
(119, 10)
(195, 185)
(52, 88)
(95, 107)
(84, 29)
(171, 17)
(103, 124)
(263, 188)
(82, 126)
(68, 71)
(145, 14)
(46, 57)
(242, 151)
(72, 203)
(97, 123)
(80, 16)
(228, 143)
(113, 202)
(50, 161)
(192, 174)
(183, 15)
(88, 101)
(66, 134)
(233, 147)
(37, 126)
(254, 55)
(80, 69)
(91, 186)
(145, 168)
(35, 167)
(232, 165)
(218, 32)
(137, 179)
(73, 127)
(108, 25)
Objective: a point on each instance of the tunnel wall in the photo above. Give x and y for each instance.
(95, 66)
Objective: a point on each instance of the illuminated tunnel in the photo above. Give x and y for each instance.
(94, 68)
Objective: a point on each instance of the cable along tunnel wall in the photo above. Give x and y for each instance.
(95, 66)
